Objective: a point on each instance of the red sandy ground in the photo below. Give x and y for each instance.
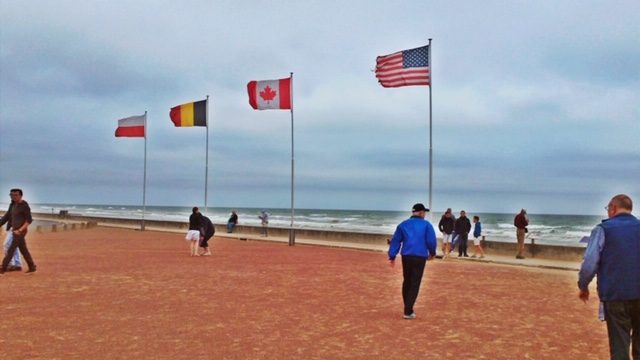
(115, 293)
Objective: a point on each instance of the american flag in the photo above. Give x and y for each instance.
(404, 68)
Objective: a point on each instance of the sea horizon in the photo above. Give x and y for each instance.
(553, 229)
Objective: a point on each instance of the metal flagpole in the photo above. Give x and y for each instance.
(292, 233)
(430, 131)
(144, 178)
(206, 166)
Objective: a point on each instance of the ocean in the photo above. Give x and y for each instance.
(544, 228)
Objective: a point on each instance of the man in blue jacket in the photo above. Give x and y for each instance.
(613, 254)
(417, 238)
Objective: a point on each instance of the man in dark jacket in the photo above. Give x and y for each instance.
(462, 228)
(445, 226)
(14, 264)
(521, 221)
(20, 218)
(613, 254)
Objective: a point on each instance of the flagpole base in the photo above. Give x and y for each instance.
(292, 237)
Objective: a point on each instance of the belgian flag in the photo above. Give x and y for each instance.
(189, 114)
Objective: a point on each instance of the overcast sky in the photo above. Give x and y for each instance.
(536, 104)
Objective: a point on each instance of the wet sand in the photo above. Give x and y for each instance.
(117, 293)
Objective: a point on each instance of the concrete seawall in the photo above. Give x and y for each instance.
(533, 250)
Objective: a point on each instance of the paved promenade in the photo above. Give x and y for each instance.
(489, 258)
(110, 293)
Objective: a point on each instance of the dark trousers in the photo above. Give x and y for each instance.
(205, 241)
(18, 243)
(623, 326)
(463, 239)
(412, 270)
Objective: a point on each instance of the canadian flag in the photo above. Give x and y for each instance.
(270, 94)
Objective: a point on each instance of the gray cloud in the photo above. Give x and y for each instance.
(534, 105)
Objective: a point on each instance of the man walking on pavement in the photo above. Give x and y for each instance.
(20, 217)
(415, 239)
(613, 253)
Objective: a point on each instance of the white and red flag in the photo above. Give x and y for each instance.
(133, 126)
(270, 94)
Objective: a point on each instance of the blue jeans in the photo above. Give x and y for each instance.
(15, 261)
(230, 227)
(623, 327)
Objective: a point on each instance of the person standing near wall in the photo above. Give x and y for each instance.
(446, 228)
(193, 234)
(232, 222)
(462, 227)
(521, 221)
(264, 221)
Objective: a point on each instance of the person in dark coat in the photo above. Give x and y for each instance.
(206, 232)
(232, 222)
(20, 218)
(462, 228)
(521, 221)
(446, 224)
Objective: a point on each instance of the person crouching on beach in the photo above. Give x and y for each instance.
(417, 238)
(477, 231)
(206, 232)
(193, 235)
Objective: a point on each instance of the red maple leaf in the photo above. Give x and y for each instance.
(268, 94)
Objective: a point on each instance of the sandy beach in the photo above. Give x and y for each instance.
(120, 293)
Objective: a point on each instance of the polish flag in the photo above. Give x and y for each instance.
(270, 94)
(132, 126)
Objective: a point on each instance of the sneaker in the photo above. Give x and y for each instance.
(30, 271)
(519, 257)
(465, 255)
(14, 268)
(410, 317)
(206, 254)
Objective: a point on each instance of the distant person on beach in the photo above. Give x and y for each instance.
(462, 227)
(206, 232)
(415, 239)
(20, 218)
(15, 264)
(232, 222)
(264, 221)
(521, 221)
(613, 253)
(445, 226)
(477, 232)
(193, 234)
